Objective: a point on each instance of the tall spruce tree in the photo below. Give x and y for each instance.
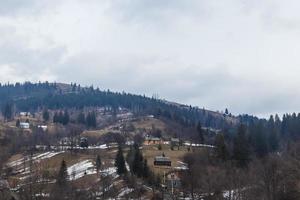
(98, 163)
(273, 134)
(241, 150)
(137, 165)
(81, 118)
(260, 140)
(200, 132)
(62, 176)
(7, 111)
(120, 162)
(46, 115)
(221, 150)
(66, 118)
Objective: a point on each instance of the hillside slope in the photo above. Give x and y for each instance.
(34, 96)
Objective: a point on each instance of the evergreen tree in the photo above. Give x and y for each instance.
(91, 119)
(260, 140)
(221, 149)
(46, 115)
(241, 150)
(200, 133)
(120, 162)
(146, 171)
(55, 118)
(62, 176)
(273, 134)
(98, 163)
(7, 111)
(66, 118)
(226, 111)
(18, 123)
(60, 117)
(137, 165)
(81, 118)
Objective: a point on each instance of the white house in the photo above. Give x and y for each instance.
(25, 114)
(44, 127)
(24, 125)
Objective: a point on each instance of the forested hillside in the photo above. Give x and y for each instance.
(34, 96)
(84, 143)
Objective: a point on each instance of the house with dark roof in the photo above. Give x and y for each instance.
(150, 140)
(162, 161)
(175, 141)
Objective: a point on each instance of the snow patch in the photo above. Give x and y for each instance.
(81, 169)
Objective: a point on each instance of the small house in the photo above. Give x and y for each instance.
(162, 161)
(44, 127)
(24, 125)
(173, 180)
(149, 140)
(175, 141)
(84, 142)
(25, 114)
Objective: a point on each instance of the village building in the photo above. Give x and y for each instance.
(25, 114)
(65, 141)
(44, 127)
(175, 141)
(162, 161)
(84, 142)
(149, 140)
(173, 181)
(24, 125)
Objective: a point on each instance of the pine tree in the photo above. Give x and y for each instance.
(241, 150)
(62, 176)
(55, 118)
(137, 165)
(81, 118)
(200, 133)
(60, 117)
(46, 115)
(260, 140)
(8, 111)
(18, 123)
(91, 119)
(98, 163)
(66, 118)
(146, 171)
(221, 149)
(120, 162)
(226, 111)
(273, 135)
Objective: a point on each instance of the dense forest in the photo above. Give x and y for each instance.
(34, 96)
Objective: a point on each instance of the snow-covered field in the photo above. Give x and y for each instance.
(86, 167)
(183, 166)
(124, 191)
(81, 169)
(198, 145)
(35, 158)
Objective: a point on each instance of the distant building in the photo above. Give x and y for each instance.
(65, 141)
(84, 142)
(173, 180)
(44, 127)
(175, 141)
(162, 161)
(25, 114)
(149, 140)
(24, 125)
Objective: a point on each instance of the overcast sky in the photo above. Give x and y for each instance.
(239, 54)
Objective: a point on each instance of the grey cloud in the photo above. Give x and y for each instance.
(205, 53)
(23, 62)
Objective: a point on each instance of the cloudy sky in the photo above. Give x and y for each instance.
(240, 54)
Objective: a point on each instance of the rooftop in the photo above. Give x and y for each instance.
(162, 159)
